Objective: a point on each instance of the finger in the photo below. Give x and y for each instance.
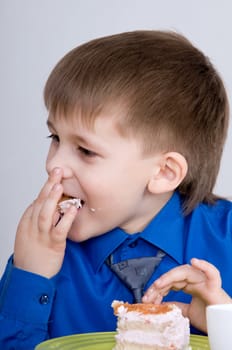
(186, 273)
(47, 210)
(27, 214)
(155, 295)
(154, 299)
(209, 269)
(24, 222)
(60, 231)
(54, 178)
(183, 273)
(157, 290)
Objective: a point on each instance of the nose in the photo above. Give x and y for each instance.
(59, 159)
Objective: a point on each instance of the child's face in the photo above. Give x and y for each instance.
(106, 171)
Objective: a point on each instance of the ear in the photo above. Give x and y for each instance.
(171, 169)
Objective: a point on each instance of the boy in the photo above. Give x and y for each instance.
(137, 124)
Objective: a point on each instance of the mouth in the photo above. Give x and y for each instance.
(66, 201)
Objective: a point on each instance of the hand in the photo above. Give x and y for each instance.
(40, 239)
(200, 279)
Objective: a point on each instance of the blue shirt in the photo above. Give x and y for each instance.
(78, 299)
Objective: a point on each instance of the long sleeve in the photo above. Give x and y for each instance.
(25, 306)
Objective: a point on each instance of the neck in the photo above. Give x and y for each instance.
(150, 209)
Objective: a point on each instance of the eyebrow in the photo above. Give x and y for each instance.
(78, 138)
(49, 124)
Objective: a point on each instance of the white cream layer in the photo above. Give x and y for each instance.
(167, 331)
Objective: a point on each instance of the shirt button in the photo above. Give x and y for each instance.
(44, 299)
(133, 244)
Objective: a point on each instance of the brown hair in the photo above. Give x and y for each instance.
(169, 93)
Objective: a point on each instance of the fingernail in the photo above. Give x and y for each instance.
(158, 283)
(56, 171)
(145, 298)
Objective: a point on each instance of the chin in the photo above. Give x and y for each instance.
(76, 235)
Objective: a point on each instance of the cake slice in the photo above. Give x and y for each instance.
(150, 327)
(66, 201)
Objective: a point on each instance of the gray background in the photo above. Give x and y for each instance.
(35, 34)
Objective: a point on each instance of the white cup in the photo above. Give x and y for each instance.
(219, 325)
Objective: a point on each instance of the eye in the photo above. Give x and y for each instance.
(54, 138)
(86, 152)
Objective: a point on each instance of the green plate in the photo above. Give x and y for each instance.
(103, 341)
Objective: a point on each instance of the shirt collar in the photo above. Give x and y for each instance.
(99, 248)
(165, 231)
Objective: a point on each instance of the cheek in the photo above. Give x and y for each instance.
(94, 186)
(99, 188)
(113, 183)
(108, 186)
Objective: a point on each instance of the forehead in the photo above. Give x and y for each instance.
(113, 115)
